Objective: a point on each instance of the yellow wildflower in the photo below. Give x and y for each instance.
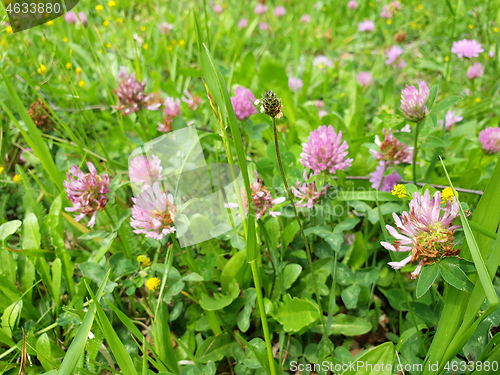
(50, 23)
(42, 69)
(65, 39)
(78, 70)
(389, 22)
(1, 169)
(153, 284)
(108, 45)
(9, 30)
(477, 100)
(471, 26)
(143, 28)
(145, 46)
(81, 83)
(495, 29)
(447, 194)
(447, 58)
(111, 3)
(68, 65)
(105, 23)
(182, 42)
(144, 260)
(17, 178)
(399, 191)
(98, 7)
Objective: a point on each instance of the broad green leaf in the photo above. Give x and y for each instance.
(456, 277)
(44, 351)
(347, 325)
(432, 96)
(219, 300)
(31, 232)
(295, 314)
(234, 270)
(8, 229)
(426, 278)
(371, 362)
(290, 273)
(350, 296)
(11, 316)
(446, 103)
(244, 315)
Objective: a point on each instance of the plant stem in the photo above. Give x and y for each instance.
(308, 250)
(415, 152)
(262, 312)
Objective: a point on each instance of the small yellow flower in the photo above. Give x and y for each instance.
(108, 45)
(68, 65)
(447, 194)
(119, 20)
(477, 100)
(65, 39)
(105, 23)
(144, 260)
(495, 29)
(42, 69)
(399, 191)
(413, 25)
(98, 7)
(111, 3)
(81, 83)
(153, 284)
(17, 178)
(1, 169)
(9, 30)
(370, 3)
(145, 46)
(50, 23)
(78, 70)
(143, 28)
(182, 42)
(471, 26)
(389, 22)
(420, 6)
(447, 58)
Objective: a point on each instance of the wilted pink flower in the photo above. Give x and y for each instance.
(261, 198)
(165, 27)
(451, 119)
(382, 183)
(83, 18)
(263, 26)
(366, 26)
(172, 110)
(87, 193)
(260, 9)
(322, 61)
(242, 101)
(145, 171)
(218, 8)
(427, 234)
(352, 4)
(391, 150)
(364, 78)
(279, 11)
(308, 192)
(131, 94)
(385, 13)
(392, 54)
(71, 17)
(192, 102)
(295, 83)
(467, 48)
(490, 140)
(153, 213)
(396, 5)
(306, 18)
(413, 101)
(323, 151)
(475, 71)
(243, 23)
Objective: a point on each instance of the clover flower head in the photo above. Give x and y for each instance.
(306, 18)
(260, 9)
(308, 192)
(144, 260)
(322, 61)
(447, 194)
(467, 48)
(426, 231)
(243, 23)
(279, 11)
(364, 78)
(192, 102)
(295, 83)
(392, 151)
(413, 101)
(392, 54)
(153, 284)
(352, 4)
(145, 171)
(324, 152)
(86, 192)
(165, 27)
(451, 119)
(261, 199)
(381, 182)
(153, 213)
(385, 12)
(366, 26)
(242, 101)
(475, 71)
(399, 191)
(490, 140)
